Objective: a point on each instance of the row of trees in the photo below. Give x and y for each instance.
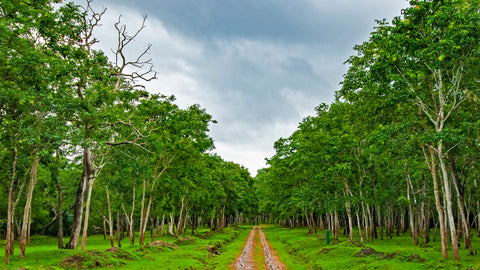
(76, 127)
(399, 146)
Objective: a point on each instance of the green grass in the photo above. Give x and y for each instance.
(232, 250)
(258, 256)
(193, 252)
(295, 248)
(298, 250)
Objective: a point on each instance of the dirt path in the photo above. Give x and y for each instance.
(246, 259)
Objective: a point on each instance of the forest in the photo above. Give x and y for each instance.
(84, 146)
(86, 149)
(398, 149)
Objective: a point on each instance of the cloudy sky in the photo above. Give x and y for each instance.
(257, 66)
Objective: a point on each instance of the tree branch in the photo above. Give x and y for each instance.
(121, 62)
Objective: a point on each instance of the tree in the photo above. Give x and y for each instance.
(101, 87)
(34, 37)
(428, 58)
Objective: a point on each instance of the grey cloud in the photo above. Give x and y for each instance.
(258, 66)
(291, 21)
(297, 65)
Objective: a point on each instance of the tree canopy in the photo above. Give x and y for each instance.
(399, 138)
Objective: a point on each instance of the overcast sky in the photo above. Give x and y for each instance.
(257, 66)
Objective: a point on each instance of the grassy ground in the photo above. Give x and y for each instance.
(204, 251)
(298, 250)
(295, 248)
(258, 257)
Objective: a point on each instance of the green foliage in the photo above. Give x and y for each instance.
(61, 99)
(410, 89)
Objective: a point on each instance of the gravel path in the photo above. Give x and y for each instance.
(246, 259)
(271, 260)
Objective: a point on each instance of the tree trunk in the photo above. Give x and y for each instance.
(397, 224)
(379, 220)
(91, 181)
(127, 225)
(426, 213)
(78, 213)
(110, 220)
(60, 216)
(119, 229)
(28, 206)
(411, 214)
(145, 212)
(11, 209)
(388, 222)
(212, 225)
(163, 225)
(336, 223)
(104, 229)
(321, 225)
(309, 225)
(402, 221)
(152, 229)
(347, 193)
(132, 222)
(222, 223)
(179, 226)
(365, 220)
(461, 208)
(141, 235)
(393, 220)
(29, 224)
(146, 215)
(10, 221)
(194, 219)
(359, 227)
(448, 199)
(432, 165)
(185, 219)
(54, 177)
(478, 207)
(371, 222)
(170, 225)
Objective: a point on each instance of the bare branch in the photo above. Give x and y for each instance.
(454, 90)
(19, 192)
(91, 19)
(127, 155)
(163, 170)
(426, 156)
(129, 143)
(140, 63)
(451, 148)
(424, 108)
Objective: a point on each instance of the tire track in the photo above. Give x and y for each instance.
(246, 259)
(271, 260)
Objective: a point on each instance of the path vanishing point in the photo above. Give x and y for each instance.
(250, 260)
